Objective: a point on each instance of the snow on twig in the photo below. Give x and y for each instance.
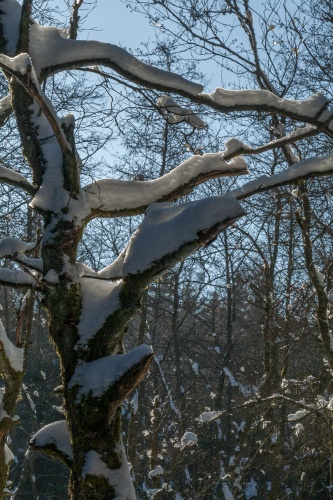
(174, 113)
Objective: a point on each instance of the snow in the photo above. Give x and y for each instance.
(57, 434)
(208, 416)
(189, 439)
(114, 194)
(50, 47)
(233, 98)
(11, 246)
(233, 145)
(51, 276)
(248, 15)
(15, 248)
(51, 195)
(320, 277)
(29, 398)
(226, 492)
(195, 366)
(100, 299)
(14, 355)
(135, 402)
(5, 105)
(17, 64)
(118, 478)
(167, 228)
(274, 437)
(9, 457)
(172, 404)
(315, 165)
(10, 20)
(16, 277)
(176, 113)
(298, 415)
(12, 177)
(158, 471)
(114, 270)
(231, 378)
(299, 428)
(246, 390)
(98, 376)
(31, 263)
(187, 475)
(251, 490)
(3, 413)
(290, 150)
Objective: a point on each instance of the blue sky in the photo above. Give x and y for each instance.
(118, 24)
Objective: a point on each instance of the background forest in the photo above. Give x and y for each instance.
(239, 399)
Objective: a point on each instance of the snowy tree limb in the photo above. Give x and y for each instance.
(311, 167)
(174, 113)
(9, 176)
(116, 197)
(297, 135)
(17, 278)
(5, 109)
(11, 356)
(54, 439)
(312, 110)
(22, 69)
(14, 249)
(167, 235)
(111, 377)
(52, 52)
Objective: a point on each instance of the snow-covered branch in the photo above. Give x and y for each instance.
(16, 278)
(167, 234)
(5, 109)
(9, 176)
(11, 356)
(22, 69)
(11, 369)
(52, 51)
(312, 110)
(167, 228)
(236, 148)
(117, 197)
(14, 249)
(174, 113)
(116, 375)
(311, 167)
(54, 439)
